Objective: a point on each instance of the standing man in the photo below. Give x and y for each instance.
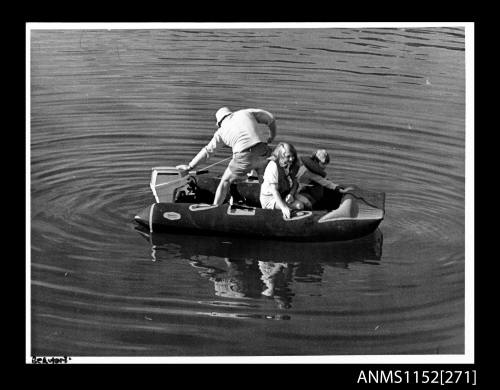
(241, 132)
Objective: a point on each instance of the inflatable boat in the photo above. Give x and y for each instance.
(184, 205)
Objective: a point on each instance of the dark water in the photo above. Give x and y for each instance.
(106, 106)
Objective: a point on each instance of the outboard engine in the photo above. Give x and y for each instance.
(168, 186)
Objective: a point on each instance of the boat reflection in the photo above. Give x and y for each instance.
(248, 268)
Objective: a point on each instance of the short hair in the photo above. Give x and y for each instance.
(322, 156)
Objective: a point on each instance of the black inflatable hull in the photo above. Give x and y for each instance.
(252, 222)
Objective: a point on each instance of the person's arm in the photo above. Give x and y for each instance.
(329, 184)
(200, 157)
(293, 190)
(322, 181)
(279, 200)
(272, 130)
(295, 186)
(204, 154)
(265, 117)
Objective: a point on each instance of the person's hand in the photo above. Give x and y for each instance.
(183, 169)
(289, 198)
(286, 212)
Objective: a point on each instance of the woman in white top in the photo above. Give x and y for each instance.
(280, 184)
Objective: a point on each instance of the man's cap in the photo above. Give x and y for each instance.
(221, 114)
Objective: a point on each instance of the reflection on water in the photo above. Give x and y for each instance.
(249, 268)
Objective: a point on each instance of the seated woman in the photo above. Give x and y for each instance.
(280, 184)
(312, 179)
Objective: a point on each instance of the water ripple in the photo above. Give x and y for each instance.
(106, 106)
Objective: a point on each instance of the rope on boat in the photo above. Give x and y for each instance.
(218, 162)
(362, 199)
(196, 172)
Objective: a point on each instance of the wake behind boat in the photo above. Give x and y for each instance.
(184, 205)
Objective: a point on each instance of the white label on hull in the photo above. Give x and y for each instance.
(241, 211)
(201, 207)
(298, 215)
(173, 216)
